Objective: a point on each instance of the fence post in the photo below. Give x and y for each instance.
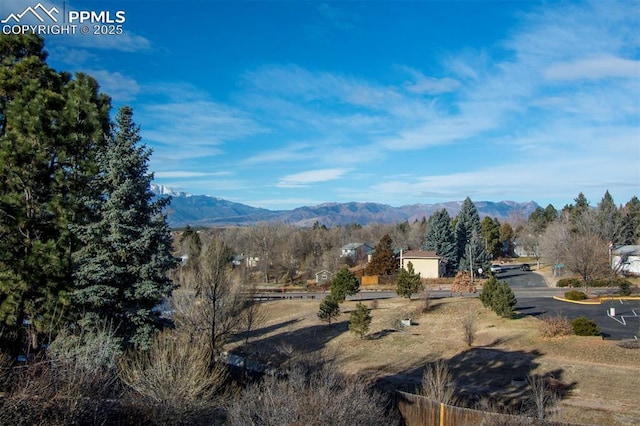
(442, 414)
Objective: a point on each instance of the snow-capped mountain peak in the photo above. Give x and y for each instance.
(165, 190)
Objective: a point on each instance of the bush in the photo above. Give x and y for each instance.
(583, 326)
(629, 344)
(504, 300)
(499, 297)
(575, 295)
(625, 288)
(569, 282)
(556, 325)
(310, 396)
(174, 382)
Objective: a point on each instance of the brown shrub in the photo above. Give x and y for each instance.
(555, 325)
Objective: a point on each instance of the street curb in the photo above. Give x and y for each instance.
(597, 301)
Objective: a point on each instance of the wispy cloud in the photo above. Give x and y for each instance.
(594, 68)
(338, 17)
(200, 123)
(307, 178)
(120, 87)
(175, 174)
(422, 84)
(125, 42)
(552, 109)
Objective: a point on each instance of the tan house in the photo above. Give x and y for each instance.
(427, 263)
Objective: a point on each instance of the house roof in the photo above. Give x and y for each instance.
(631, 250)
(353, 246)
(419, 254)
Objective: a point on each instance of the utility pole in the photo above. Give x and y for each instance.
(471, 261)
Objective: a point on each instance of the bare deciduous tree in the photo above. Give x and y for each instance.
(469, 328)
(578, 246)
(216, 302)
(543, 400)
(438, 383)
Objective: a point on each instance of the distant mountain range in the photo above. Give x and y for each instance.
(204, 210)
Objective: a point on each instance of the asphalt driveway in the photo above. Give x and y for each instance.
(624, 325)
(528, 285)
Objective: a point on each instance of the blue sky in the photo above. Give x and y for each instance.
(283, 104)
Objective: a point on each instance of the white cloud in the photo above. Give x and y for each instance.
(422, 84)
(176, 174)
(303, 179)
(118, 86)
(126, 42)
(193, 129)
(594, 68)
(338, 17)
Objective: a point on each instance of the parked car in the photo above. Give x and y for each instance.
(525, 267)
(496, 269)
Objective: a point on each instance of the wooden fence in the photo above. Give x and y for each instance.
(417, 410)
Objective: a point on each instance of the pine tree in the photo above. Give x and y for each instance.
(488, 290)
(408, 282)
(475, 256)
(630, 223)
(121, 270)
(360, 320)
(507, 237)
(609, 220)
(329, 309)
(441, 239)
(490, 229)
(50, 129)
(504, 300)
(344, 284)
(383, 262)
(468, 241)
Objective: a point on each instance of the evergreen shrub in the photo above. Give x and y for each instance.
(583, 326)
(575, 295)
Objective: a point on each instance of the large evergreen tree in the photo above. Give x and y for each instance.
(609, 220)
(507, 239)
(383, 261)
(468, 239)
(630, 222)
(51, 127)
(440, 238)
(490, 229)
(121, 270)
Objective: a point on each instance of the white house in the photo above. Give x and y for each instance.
(625, 260)
(357, 252)
(323, 276)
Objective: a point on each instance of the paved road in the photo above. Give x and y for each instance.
(535, 299)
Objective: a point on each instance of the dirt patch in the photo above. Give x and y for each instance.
(597, 378)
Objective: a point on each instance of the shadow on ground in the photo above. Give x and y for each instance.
(486, 376)
(278, 349)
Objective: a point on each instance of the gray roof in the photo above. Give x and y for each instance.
(631, 250)
(353, 246)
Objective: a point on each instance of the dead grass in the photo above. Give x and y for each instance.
(598, 377)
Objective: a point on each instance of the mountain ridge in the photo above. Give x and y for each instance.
(203, 210)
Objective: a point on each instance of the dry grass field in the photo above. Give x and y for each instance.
(599, 380)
